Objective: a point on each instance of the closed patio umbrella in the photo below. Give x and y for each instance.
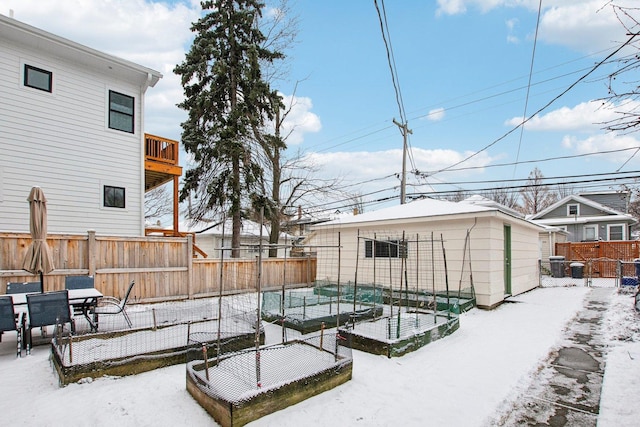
(38, 259)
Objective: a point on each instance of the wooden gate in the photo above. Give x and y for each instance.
(600, 254)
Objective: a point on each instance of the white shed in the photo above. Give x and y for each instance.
(503, 247)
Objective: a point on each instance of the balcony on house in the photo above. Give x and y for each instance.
(160, 161)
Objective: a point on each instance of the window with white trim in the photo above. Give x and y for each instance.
(38, 78)
(113, 197)
(590, 232)
(573, 210)
(121, 111)
(615, 232)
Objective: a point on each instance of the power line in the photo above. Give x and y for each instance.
(544, 107)
(526, 98)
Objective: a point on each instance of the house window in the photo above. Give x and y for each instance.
(590, 232)
(114, 197)
(573, 210)
(121, 109)
(38, 78)
(615, 231)
(388, 249)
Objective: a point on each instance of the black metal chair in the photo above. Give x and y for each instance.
(79, 282)
(11, 321)
(23, 287)
(112, 305)
(49, 308)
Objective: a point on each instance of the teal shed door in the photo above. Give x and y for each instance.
(507, 259)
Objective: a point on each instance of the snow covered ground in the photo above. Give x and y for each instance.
(460, 380)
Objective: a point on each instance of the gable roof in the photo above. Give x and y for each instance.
(72, 52)
(417, 209)
(578, 199)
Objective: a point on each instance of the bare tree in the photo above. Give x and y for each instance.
(624, 84)
(536, 196)
(504, 196)
(157, 203)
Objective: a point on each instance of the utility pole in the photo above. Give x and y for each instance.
(403, 183)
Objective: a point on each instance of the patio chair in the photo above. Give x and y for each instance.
(23, 287)
(78, 282)
(112, 305)
(11, 321)
(48, 308)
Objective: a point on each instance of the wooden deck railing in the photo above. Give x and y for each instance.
(161, 149)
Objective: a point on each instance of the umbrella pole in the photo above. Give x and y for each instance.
(41, 281)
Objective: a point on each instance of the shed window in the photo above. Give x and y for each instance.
(573, 210)
(121, 108)
(38, 78)
(114, 197)
(385, 249)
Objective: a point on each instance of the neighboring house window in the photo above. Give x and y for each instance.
(615, 231)
(114, 197)
(388, 249)
(38, 78)
(121, 109)
(590, 232)
(573, 210)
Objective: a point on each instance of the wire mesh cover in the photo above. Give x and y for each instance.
(158, 328)
(242, 375)
(398, 327)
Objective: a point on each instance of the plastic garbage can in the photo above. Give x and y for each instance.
(577, 270)
(637, 264)
(557, 266)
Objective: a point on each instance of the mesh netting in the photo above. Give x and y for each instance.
(242, 375)
(158, 330)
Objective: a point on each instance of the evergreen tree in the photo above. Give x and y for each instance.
(225, 97)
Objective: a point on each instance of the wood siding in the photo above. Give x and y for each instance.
(61, 142)
(163, 267)
(599, 255)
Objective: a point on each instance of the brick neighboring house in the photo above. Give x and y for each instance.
(590, 216)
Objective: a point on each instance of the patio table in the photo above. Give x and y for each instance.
(85, 299)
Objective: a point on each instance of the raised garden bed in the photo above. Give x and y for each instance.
(394, 336)
(239, 388)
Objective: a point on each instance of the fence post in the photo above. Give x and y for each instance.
(91, 252)
(190, 266)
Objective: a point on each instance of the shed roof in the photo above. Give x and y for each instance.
(417, 209)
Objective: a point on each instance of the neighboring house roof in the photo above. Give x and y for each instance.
(424, 208)
(248, 229)
(26, 35)
(613, 215)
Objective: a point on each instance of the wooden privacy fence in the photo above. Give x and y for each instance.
(163, 267)
(600, 254)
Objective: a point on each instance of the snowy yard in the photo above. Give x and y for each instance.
(460, 380)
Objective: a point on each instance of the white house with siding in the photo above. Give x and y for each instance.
(72, 123)
(503, 247)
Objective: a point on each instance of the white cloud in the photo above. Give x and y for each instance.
(585, 117)
(603, 143)
(436, 114)
(586, 25)
(299, 119)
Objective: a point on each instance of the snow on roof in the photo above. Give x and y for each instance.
(416, 209)
(247, 229)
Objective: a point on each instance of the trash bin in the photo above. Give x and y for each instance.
(577, 269)
(557, 266)
(637, 263)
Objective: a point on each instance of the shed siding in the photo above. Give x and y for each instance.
(487, 251)
(60, 141)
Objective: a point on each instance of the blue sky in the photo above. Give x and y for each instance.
(463, 70)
